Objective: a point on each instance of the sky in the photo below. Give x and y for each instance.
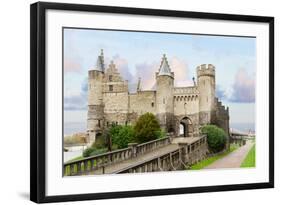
(138, 54)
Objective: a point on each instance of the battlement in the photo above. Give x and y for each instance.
(221, 108)
(206, 70)
(186, 90)
(94, 74)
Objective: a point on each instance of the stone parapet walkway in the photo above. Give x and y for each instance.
(134, 161)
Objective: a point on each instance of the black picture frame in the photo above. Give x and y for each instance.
(38, 100)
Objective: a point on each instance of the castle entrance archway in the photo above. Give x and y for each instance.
(186, 127)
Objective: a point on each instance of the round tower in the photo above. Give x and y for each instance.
(206, 86)
(95, 101)
(165, 95)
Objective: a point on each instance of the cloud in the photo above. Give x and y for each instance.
(220, 93)
(71, 65)
(243, 89)
(77, 101)
(146, 71)
(181, 71)
(123, 68)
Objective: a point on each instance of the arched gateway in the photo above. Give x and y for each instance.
(186, 127)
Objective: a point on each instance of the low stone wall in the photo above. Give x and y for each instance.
(186, 155)
(166, 162)
(238, 140)
(80, 167)
(152, 145)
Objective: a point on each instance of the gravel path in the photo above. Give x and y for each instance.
(232, 160)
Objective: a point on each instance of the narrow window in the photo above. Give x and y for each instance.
(110, 87)
(110, 78)
(107, 124)
(99, 123)
(152, 104)
(163, 100)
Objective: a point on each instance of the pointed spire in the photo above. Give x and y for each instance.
(139, 85)
(164, 67)
(100, 62)
(193, 79)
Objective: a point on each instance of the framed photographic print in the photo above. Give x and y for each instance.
(129, 102)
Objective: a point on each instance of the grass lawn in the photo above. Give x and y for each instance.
(210, 160)
(250, 160)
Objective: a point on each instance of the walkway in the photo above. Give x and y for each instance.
(71, 154)
(135, 161)
(232, 160)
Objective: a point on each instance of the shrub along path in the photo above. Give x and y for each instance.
(234, 159)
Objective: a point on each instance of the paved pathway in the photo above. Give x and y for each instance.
(135, 161)
(71, 154)
(232, 160)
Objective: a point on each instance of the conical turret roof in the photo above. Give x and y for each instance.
(164, 67)
(100, 62)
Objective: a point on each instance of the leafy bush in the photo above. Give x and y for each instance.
(91, 151)
(99, 143)
(87, 152)
(160, 134)
(216, 137)
(146, 128)
(121, 136)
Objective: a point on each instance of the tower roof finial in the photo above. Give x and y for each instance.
(139, 85)
(164, 67)
(100, 62)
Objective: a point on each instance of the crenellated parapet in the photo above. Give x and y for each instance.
(221, 109)
(186, 90)
(206, 70)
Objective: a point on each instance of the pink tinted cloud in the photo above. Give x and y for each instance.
(123, 68)
(146, 71)
(71, 65)
(181, 71)
(243, 87)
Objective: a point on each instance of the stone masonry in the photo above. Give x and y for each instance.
(180, 110)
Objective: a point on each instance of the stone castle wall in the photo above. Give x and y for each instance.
(111, 103)
(142, 102)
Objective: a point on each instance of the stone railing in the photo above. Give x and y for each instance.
(89, 164)
(152, 145)
(100, 161)
(166, 162)
(187, 154)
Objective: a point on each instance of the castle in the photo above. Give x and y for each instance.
(180, 110)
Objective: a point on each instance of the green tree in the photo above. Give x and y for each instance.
(122, 135)
(216, 137)
(146, 128)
